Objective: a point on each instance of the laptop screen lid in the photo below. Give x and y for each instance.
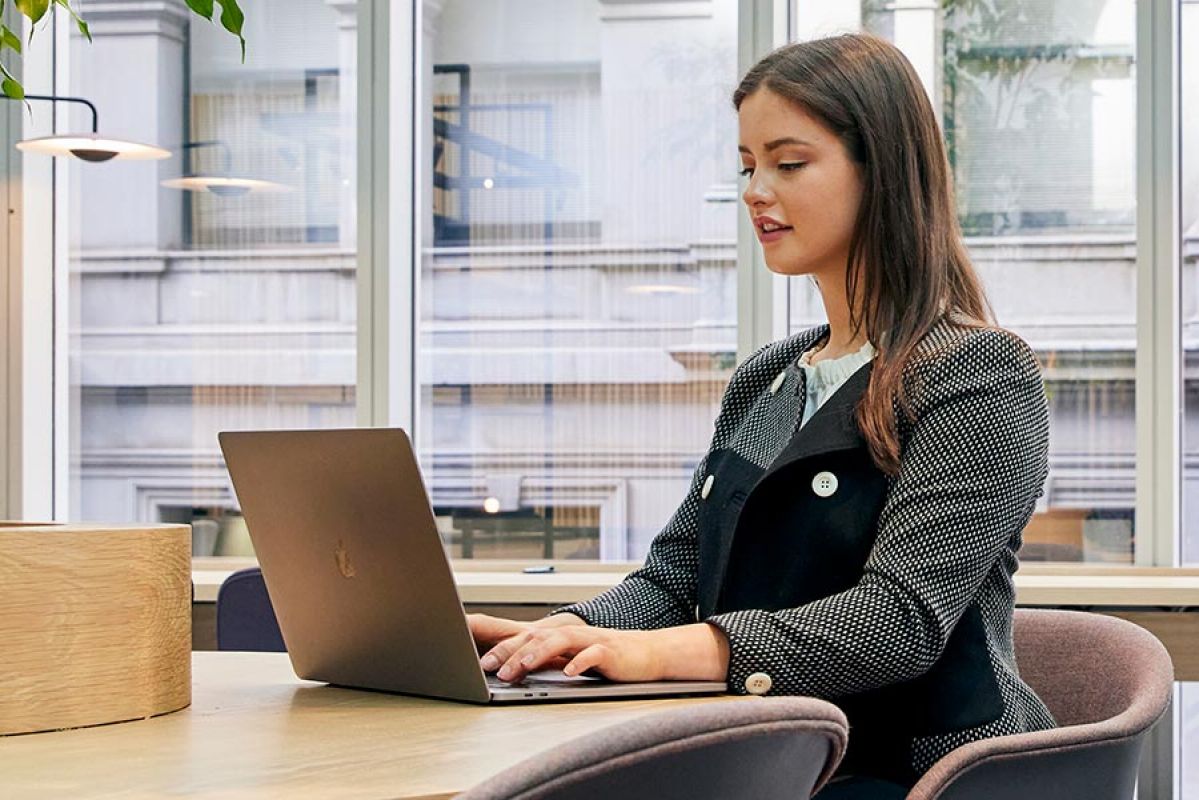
(343, 530)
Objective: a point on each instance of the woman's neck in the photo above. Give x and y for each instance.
(841, 339)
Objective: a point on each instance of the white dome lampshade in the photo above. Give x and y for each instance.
(93, 148)
(221, 183)
(88, 146)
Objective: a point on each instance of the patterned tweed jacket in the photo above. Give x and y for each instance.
(891, 596)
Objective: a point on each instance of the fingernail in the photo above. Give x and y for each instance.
(489, 662)
(505, 672)
(527, 660)
(569, 670)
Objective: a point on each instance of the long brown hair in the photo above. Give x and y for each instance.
(906, 247)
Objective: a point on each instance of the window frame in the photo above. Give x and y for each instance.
(1159, 292)
(388, 263)
(34, 399)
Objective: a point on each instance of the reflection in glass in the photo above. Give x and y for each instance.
(577, 288)
(195, 312)
(1188, 17)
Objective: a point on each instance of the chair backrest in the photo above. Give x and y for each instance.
(1106, 681)
(1092, 668)
(764, 748)
(245, 618)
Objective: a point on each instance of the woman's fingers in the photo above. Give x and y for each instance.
(502, 652)
(541, 649)
(487, 630)
(538, 648)
(617, 655)
(594, 657)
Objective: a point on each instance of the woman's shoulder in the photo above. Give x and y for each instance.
(966, 355)
(953, 348)
(955, 344)
(767, 361)
(950, 340)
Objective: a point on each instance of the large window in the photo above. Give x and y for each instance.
(213, 290)
(577, 304)
(577, 311)
(1037, 104)
(1189, 246)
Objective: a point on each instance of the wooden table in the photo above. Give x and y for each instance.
(256, 730)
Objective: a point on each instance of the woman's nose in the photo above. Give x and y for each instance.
(756, 192)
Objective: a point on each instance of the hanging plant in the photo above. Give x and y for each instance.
(231, 19)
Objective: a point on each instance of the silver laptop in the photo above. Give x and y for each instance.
(358, 576)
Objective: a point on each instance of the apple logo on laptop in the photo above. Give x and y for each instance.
(343, 561)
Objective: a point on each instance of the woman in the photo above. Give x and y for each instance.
(852, 531)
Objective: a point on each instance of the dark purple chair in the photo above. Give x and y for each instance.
(772, 748)
(1106, 681)
(245, 618)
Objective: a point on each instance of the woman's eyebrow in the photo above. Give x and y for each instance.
(776, 143)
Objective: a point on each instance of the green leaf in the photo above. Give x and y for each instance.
(233, 19)
(12, 88)
(87, 34)
(34, 9)
(9, 39)
(201, 7)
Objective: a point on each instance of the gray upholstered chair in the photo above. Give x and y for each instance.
(1106, 680)
(245, 618)
(761, 748)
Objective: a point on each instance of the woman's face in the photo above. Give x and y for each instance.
(804, 189)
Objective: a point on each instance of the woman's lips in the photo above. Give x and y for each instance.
(772, 236)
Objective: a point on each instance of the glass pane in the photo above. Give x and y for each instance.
(577, 284)
(213, 290)
(1188, 13)
(1037, 102)
(1188, 18)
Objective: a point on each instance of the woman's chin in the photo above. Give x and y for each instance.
(791, 270)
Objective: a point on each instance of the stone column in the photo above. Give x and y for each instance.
(133, 71)
(917, 36)
(347, 93)
(663, 65)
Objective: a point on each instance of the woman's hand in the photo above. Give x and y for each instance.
(489, 631)
(695, 652)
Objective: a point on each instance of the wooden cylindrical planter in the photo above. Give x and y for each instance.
(95, 624)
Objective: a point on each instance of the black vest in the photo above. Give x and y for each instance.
(771, 543)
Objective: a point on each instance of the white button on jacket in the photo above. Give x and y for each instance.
(758, 683)
(707, 490)
(778, 381)
(824, 484)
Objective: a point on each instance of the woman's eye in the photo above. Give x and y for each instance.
(791, 166)
(746, 172)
